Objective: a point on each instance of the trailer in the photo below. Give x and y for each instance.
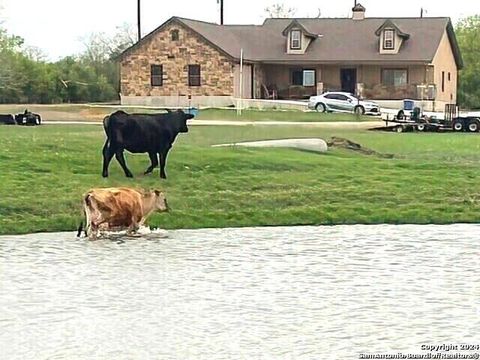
(25, 118)
(457, 124)
(417, 120)
(28, 118)
(7, 119)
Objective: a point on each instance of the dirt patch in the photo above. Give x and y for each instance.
(94, 114)
(342, 143)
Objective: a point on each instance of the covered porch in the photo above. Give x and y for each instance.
(375, 82)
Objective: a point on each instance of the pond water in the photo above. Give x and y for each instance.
(250, 293)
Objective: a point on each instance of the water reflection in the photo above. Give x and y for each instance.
(256, 293)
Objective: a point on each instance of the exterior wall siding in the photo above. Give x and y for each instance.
(246, 81)
(444, 61)
(217, 73)
(277, 76)
(331, 77)
(259, 80)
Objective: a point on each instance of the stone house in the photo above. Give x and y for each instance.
(188, 61)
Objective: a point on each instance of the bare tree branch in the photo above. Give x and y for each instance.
(279, 10)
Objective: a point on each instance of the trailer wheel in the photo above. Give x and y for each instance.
(458, 125)
(473, 125)
(421, 127)
(399, 129)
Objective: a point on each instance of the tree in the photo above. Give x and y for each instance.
(10, 74)
(100, 47)
(468, 36)
(279, 10)
(100, 58)
(34, 53)
(26, 77)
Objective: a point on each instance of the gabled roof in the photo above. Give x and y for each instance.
(295, 24)
(343, 40)
(180, 21)
(389, 24)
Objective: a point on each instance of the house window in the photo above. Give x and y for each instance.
(443, 81)
(449, 78)
(308, 77)
(174, 34)
(303, 77)
(394, 77)
(389, 39)
(193, 75)
(296, 39)
(156, 75)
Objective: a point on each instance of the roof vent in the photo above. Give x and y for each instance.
(358, 12)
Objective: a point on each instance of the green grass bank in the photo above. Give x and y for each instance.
(85, 112)
(433, 178)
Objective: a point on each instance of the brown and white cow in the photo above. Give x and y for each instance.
(119, 208)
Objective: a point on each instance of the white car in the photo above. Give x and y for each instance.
(343, 102)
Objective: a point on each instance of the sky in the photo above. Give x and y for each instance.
(58, 26)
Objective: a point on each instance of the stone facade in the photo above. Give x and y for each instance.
(217, 70)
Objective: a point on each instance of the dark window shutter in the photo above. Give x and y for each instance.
(194, 75)
(156, 75)
(297, 77)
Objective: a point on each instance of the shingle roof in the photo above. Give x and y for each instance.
(340, 39)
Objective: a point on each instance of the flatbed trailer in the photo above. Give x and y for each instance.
(457, 124)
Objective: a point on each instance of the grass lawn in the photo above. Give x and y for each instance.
(97, 113)
(279, 115)
(433, 178)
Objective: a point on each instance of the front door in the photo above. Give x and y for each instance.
(348, 78)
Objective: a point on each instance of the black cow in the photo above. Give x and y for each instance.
(139, 133)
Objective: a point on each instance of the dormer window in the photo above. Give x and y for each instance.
(389, 39)
(296, 40)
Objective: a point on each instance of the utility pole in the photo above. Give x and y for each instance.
(138, 21)
(221, 12)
